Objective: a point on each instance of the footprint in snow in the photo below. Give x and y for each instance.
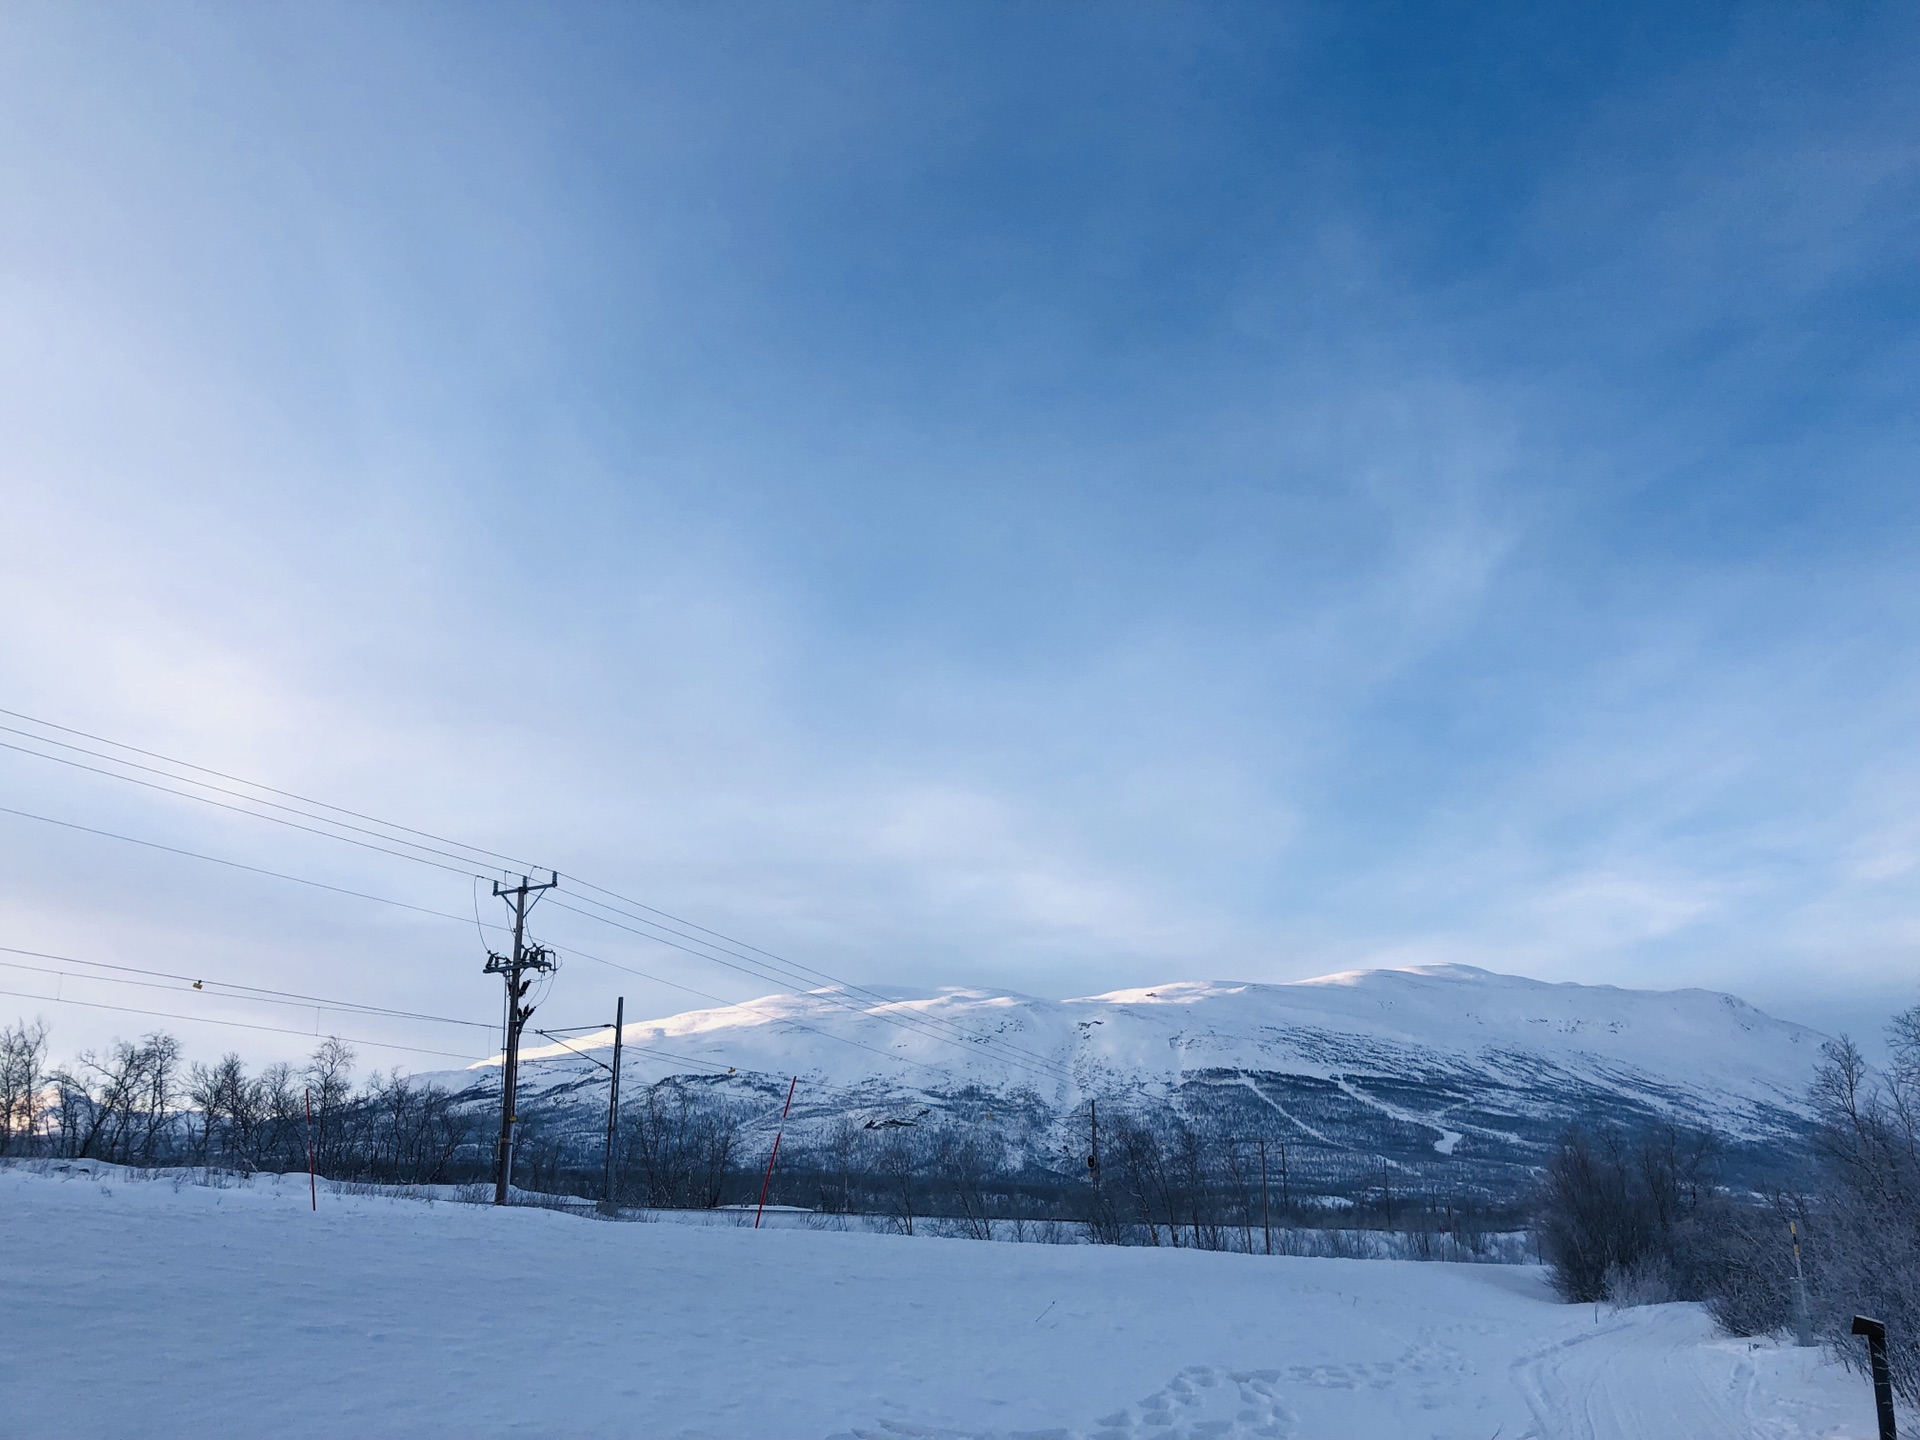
(1202, 1402)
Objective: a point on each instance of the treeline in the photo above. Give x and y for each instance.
(1642, 1219)
(1164, 1178)
(140, 1103)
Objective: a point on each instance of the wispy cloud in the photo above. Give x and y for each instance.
(1062, 503)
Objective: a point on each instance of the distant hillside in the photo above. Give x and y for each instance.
(1432, 1075)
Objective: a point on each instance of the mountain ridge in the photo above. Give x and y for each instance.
(1434, 1070)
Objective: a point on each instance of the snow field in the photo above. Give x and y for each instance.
(165, 1310)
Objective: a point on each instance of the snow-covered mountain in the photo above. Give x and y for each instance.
(1433, 1067)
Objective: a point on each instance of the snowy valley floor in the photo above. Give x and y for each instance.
(148, 1309)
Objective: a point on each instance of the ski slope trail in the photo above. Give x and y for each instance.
(180, 1312)
(1634, 1370)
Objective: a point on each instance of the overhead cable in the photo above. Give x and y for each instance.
(237, 865)
(252, 992)
(234, 1024)
(934, 1027)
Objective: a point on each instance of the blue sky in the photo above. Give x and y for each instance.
(1055, 496)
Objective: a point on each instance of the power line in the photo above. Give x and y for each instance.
(911, 1021)
(934, 1026)
(217, 789)
(260, 992)
(929, 1026)
(459, 919)
(1055, 1071)
(235, 864)
(257, 785)
(176, 989)
(241, 809)
(444, 915)
(372, 820)
(749, 1007)
(230, 1024)
(680, 1059)
(999, 1050)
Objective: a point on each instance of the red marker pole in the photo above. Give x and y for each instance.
(775, 1155)
(313, 1185)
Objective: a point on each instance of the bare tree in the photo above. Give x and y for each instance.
(23, 1080)
(1595, 1223)
(411, 1132)
(839, 1159)
(677, 1147)
(968, 1161)
(899, 1173)
(329, 1078)
(281, 1142)
(1862, 1228)
(120, 1106)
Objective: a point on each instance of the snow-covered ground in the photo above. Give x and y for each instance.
(158, 1309)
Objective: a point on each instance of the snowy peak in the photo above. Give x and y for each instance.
(1675, 1050)
(1448, 1075)
(1710, 1039)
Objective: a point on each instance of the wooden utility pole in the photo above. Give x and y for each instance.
(515, 969)
(613, 1094)
(1266, 1212)
(1286, 1195)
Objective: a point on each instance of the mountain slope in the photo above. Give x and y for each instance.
(1441, 1069)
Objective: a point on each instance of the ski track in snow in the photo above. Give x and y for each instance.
(238, 1312)
(1633, 1372)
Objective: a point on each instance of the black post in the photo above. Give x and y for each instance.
(1266, 1211)
(613, 1095)
(1876, 1334)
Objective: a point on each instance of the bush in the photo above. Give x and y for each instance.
(1618, 1218)
(1863, 1252)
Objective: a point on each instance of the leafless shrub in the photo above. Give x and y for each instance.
(1862, 1244)
(23, 1081)
(120, 1105)
(1617, 1214)
(677, 1149)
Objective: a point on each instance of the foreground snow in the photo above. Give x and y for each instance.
(163, 1310)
